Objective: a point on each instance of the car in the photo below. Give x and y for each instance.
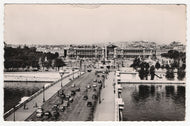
(73, 85)
(62, 107)
(39, 112)
(65, 103)
(55, 107)
(73, 92)
(71, 99)
(62, 96)
(85, 97)
(47, 114)
(94, 96)
(89, 104)
(88, 86)
(77, 89)
(94, 85)
(39, 109)
(89, 70)
(100, 84)
(102, 67)
(39, 115)
(99, 81)
(55, 114)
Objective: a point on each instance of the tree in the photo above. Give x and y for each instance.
(180, 74)
(157, 66)
(59, 63)
(170, 74)
(141, 73)
(26, 57)
(173, 54)
(162, 66)
(175, 64)
(136, 63)
(183, 66)
(152, 72)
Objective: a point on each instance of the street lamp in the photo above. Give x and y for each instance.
(73, 72)
(61, 72)
(43, 94)
(14, 113)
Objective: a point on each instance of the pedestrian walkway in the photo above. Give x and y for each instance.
(105, 110)
(21, 114)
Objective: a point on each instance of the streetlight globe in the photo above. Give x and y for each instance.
(61, 72)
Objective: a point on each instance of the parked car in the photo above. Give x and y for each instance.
(39, 112)
(65, 103)
(62, 107)
(67, 97)
(47, 114)
(55, 107)
(55, 114)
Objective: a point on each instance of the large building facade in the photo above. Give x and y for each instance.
(108, 52)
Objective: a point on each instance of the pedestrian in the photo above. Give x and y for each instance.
(35, 106)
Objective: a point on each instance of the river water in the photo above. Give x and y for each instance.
(15, 91)
(153, 102)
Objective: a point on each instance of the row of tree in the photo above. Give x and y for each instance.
(28, 57)
(145, 69)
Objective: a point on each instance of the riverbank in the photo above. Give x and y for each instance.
(33, 76)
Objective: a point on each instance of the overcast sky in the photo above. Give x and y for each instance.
(64, 24)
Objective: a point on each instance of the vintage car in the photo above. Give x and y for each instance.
(39, 112)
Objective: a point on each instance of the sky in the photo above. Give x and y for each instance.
(88, 24)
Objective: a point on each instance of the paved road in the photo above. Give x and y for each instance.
(21, 114)
(78, 110)
(105, 111)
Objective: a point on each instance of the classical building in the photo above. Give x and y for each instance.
(108, 52)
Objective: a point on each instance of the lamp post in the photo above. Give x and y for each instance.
(73, 72)
(14, 113)
(61, 72)
(43, 94)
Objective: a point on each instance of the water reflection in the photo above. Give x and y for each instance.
(154, 102)
(14, 91)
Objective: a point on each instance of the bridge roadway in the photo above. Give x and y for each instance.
(21, 114)
(77, 110)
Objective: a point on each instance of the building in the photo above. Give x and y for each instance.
(108, 52)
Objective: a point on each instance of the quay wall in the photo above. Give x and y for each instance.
(152, 82)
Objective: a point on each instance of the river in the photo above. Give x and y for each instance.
(15, 91)
(153, 102)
